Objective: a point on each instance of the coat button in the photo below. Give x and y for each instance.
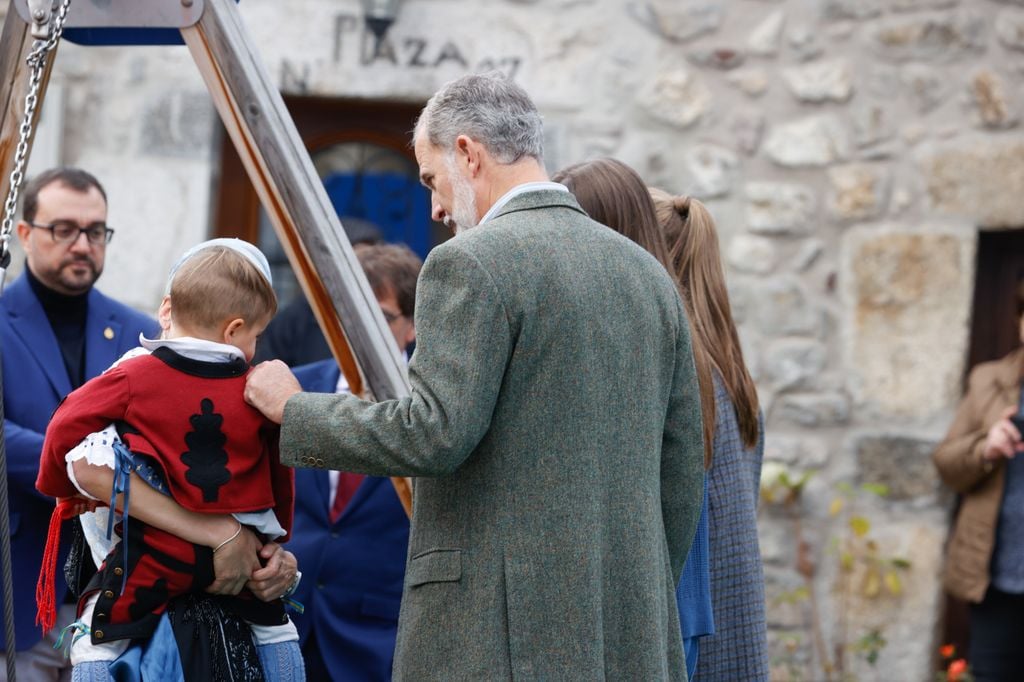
(118, 571)
(320, 463)
(98, 634)
(101, 615)
(108, 594)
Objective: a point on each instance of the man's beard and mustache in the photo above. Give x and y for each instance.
(75, 281)
(463, 215)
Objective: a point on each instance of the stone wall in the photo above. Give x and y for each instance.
(850, 150)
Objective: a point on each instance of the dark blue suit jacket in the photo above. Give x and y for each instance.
(352, 571)
(34, 381)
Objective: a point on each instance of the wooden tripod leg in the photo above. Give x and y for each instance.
(15, 44)
(293, 196)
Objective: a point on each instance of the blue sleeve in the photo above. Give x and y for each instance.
(23, 447)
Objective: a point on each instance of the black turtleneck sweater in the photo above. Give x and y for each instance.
(67, 319)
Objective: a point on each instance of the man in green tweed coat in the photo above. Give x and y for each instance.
(554, 423)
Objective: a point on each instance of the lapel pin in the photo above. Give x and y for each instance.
(108, 333)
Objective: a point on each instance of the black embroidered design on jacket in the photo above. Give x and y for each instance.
(206, 457)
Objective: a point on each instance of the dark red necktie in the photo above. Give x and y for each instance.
(348, 484)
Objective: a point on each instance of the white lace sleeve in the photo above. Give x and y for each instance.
(96, 449)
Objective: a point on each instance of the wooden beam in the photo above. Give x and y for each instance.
(15, 45)
(293, 195)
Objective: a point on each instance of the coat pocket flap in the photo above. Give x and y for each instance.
(435, 566)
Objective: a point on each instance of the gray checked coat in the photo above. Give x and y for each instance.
(554, 425)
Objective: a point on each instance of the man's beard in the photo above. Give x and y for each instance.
(75, 282)
(463, 201)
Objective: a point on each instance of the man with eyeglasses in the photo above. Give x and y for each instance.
(56, 332)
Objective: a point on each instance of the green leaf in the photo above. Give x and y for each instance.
(879, 489)
(844, 487)
(899, 562)
(872, 583)
(860, 526)
(892, 582)
(835, 507)
(846, 561)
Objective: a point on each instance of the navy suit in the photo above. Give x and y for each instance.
(34, 381)
(352, 571)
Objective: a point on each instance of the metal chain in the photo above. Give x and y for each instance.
(36, 61)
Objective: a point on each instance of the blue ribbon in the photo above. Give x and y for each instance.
(124, 463)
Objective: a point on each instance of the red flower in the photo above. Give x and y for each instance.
(947, 651)
(956, 670)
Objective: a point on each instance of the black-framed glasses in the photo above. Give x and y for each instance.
(67, 231)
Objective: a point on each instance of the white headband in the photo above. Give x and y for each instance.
(250, 252)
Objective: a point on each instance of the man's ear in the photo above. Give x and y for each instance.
(163, 313)
(24, 230)
(470, 153)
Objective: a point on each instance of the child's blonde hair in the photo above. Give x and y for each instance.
(217, 285)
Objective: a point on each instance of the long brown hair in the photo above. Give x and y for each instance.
(613, 194)
(693, 249)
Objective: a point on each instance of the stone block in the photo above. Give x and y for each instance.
(676, 97)
(801, 452)
(824, 81)
(872, 126)
(1010, 29)
(927, 86)
(780, 208)
(753, 82)
(809, 142)
(932, 37)
(857, 192)
(908, 300)
(918, 5)
(978, 179)
(784, 309)
(793, 363)
(764, 39)
(902, 463)
(756, 255)
(746, 127)
(804, 41)
(838, 10)
(990, 101)
(713, 169)
(813, 410)
(905, 620)
(678, 22)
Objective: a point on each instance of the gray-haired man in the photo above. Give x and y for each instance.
(554, 422)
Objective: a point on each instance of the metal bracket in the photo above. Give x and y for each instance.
(39, 17)
(114, 14)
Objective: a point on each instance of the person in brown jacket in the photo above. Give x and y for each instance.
(985, 556)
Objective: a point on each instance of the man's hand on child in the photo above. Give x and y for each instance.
(273, 580)
(269, 386)
(235, 562)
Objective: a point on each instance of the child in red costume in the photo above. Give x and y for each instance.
(180, 419)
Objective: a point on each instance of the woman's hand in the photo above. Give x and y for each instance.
(235, 562)
(276, 577)
(1003, 439)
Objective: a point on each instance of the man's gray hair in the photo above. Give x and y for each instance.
(490, 109)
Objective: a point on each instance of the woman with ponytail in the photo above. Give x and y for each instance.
(739, 649)
(613, 194)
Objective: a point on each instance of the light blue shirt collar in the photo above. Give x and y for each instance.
(516, 191)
